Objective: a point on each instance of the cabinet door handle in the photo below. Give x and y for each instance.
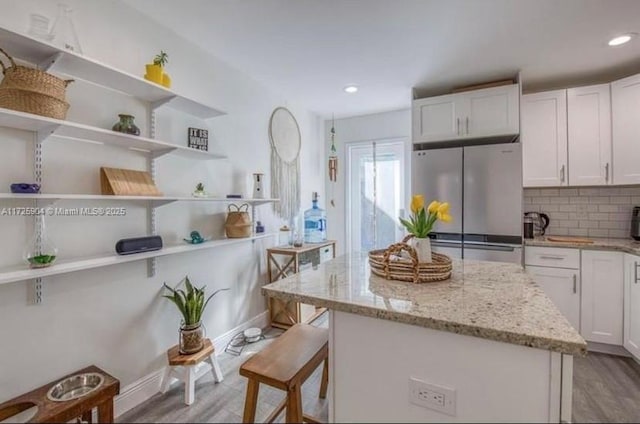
(635, 276)
(458, 126)
(562, 173)
(557, 258)
(575, 284)
(467, 125)
(606, 170)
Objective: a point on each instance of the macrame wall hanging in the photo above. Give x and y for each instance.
(284, 135)
(333, 162)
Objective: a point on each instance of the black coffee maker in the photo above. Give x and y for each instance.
(535, 224)
(635, 223)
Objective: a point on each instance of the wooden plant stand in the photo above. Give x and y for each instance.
(61, 412)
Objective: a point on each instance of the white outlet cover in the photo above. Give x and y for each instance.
(432, 396)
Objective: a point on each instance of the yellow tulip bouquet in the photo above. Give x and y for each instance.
(421, 221)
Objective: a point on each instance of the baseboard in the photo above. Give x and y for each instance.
(137, 392)
(607, 348)
(143, 389)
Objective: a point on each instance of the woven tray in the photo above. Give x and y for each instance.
(386, 264)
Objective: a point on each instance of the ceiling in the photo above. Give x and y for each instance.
(308, 50)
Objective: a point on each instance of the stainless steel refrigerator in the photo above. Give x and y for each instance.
(483, 185)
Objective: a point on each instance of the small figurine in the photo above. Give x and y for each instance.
(25, 188)
(200, 191)
(259, 228)
(196, 238)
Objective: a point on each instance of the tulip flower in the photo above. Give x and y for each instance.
(421, 221)
(417, 203)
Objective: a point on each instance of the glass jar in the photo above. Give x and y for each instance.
(191, 338)
(63, 31)
(126, 125)
(40, 252)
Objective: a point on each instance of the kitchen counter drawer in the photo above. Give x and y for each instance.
(553, 257)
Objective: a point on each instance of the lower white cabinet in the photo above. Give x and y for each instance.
(632, 304)
(563, 288)
(602, 296)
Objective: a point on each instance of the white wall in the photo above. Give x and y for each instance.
(114, 317)
(379, 126)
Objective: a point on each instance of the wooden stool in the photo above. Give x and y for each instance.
(183, 367)
(285, 364)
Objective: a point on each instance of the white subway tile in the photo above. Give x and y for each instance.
(579, 215)
(612, 225)
(589, 224)
(579, 200)
(559, 215)
(635, 200)
(589, 191)
(531, 192)
(568, 208)
(619, 217)
(599, 216)
(541, 200)
(621, 200)
(578, 232)
(607, 208)
(559, 232)
(598, 233)
(551, 208)
(608, 191)
(549, 192)
(619, 233)
(564, 224)
(568, 192)
(599, 199)
(561, 200)
(630, 191)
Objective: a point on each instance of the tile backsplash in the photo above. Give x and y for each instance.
(589, 211)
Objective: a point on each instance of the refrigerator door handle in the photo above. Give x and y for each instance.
(494, 247)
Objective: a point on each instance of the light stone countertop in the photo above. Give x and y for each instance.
(627, 245)
(491, 300)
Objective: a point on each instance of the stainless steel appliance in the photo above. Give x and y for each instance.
(483, 184)
(635, 223)
(540, 222)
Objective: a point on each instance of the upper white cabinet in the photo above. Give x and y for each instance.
(589, 135)
(632, 304)
(488, 112)
(544, 139)
(625, 97)
(435, 119)
(602, 296)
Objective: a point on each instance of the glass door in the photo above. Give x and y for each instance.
(375, 194)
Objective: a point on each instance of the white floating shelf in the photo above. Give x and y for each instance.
(159, 200)
(81, 67)
(94, 135)
(21, 273)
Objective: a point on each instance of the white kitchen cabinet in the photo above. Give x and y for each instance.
(544, 139)
(625, 104)
(436, 119)
(563, 288)
(489, 112)
(602, 296)
(631, 338)
(589, 135)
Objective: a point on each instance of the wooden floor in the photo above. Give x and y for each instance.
(606, 389)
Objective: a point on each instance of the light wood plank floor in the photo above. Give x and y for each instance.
(606, 389)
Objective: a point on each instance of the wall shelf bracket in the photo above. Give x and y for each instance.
(43, 134)
(159, 153)
(155, 105)
(37, 291)
(50, 62)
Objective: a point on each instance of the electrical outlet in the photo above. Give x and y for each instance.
(431, 396)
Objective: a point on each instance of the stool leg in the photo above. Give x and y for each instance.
(215, 369)
(324, 384)
(251, 401)
(189, 385)
(105, 411)
(166, 380)
(294, 405)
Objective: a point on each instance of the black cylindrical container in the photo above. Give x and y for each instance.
(528, 227)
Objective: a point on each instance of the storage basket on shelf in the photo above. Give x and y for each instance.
(238, 224)
(33, 91)
(387, 263)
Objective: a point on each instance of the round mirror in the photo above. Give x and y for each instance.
(284, 134)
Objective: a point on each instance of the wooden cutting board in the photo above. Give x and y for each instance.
(576, 240)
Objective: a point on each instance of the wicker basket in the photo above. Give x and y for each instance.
(238, 224)
(398, 268)
(30, 102)
(34, 80)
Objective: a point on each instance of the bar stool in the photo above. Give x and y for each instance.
(286, 364)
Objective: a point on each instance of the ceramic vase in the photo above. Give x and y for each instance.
(40, 252)
(126, 125)
(258, 186)
(422, 246)
(191, 338)
(154, 73)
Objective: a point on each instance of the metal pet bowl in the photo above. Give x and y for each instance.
(75, 387)
(18, 413)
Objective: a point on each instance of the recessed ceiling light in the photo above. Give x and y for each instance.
(621, 39)
(351, 89)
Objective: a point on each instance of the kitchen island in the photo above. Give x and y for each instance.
(485, 345)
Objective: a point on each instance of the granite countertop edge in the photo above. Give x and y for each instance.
(539, 342)
(619, 245)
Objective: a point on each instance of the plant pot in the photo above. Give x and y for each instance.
(422, 246)
(154, 73)
(166, 80)
(191, 338)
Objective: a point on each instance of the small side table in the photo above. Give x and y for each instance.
(189, 368)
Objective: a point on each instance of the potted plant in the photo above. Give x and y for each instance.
(155, 71)
(421, 223)
(191, 304)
